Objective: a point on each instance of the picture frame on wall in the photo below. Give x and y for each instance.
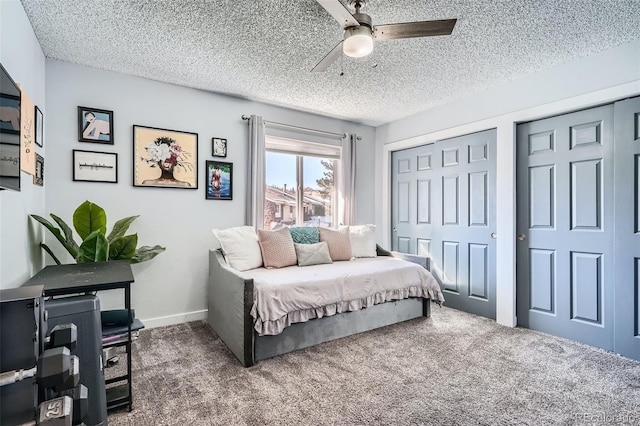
(94, 166)
(218, 147)
(165, 158)
(39, 127)
(219, 180)
(95, 125)
(38, 178)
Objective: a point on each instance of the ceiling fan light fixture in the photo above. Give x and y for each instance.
(358, 41)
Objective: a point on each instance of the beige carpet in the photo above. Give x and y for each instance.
(453, 368)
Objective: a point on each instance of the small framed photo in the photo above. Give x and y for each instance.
(39, 127)
(38, 178)
(165, 158)
(218, 147)
(219, 178)
(92, 166)
(95, 125)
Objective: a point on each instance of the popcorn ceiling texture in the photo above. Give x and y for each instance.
(264, 50)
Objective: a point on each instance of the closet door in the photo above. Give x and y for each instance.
(443, 206)
(565, 204)
(627, 263)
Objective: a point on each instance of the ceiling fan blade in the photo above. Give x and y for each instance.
(329, 59)
(414, 29)
(339, 13)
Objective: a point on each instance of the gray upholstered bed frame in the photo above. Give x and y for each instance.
(231, 298)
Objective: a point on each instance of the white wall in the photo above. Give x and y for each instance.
(590, 81)
(22, 57)
(171, 287)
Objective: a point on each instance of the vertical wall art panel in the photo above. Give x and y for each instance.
(424, 201)
(586, 195)
(478, 198)
(542, 196)
(450, 265)
(542, 280)
(478, 270)
(586, 287)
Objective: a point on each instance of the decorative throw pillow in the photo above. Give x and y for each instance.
(312, 254)
(240, 247)
(338, 242)
(305, 235)
(363, 240)
(277, 248)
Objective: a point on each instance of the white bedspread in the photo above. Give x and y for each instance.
(297, 294)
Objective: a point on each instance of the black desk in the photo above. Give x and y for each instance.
(60, 280)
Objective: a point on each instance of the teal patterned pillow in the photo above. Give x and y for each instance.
(305, 235)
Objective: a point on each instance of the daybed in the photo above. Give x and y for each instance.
(237, 312)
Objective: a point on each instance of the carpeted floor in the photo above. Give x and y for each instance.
(452, 368)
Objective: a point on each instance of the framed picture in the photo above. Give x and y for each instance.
(219, 178)
(9, 114)
(165, 158)
(95, 125)
(218, 147)
(38, 178)
(39, 127)
(92, 166)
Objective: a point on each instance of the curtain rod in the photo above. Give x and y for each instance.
(304, 129)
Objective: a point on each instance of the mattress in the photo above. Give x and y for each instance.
(296, 294)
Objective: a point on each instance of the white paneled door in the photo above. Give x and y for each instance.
(443, 206)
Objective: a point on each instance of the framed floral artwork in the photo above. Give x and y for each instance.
(219, 179)
(165, 158)
(218, 147)
(95, 125)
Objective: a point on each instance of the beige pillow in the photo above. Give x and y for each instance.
(312, 254)
(277, 248)
(240, 247)
(338, 241)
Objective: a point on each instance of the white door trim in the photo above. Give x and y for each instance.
(505, 177)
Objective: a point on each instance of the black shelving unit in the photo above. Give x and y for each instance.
(64, 280)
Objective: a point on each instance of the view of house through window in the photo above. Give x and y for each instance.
(286, 205)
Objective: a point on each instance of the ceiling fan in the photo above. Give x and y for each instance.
(359, 32)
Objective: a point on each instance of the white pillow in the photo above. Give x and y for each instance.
(363, 240)
(240, 246)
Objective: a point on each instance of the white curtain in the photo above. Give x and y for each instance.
(256, 169)
(348, 180)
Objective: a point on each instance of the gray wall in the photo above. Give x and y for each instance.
(21, 55)
(171, 287)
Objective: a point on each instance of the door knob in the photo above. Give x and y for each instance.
(522, 237)
(395, 229)
(494, 235)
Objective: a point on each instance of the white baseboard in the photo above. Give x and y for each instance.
(175, 319)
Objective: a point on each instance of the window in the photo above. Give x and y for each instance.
(300, 184)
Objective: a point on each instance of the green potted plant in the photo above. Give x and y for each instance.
(90, 222)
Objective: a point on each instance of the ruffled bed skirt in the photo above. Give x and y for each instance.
(277, 326)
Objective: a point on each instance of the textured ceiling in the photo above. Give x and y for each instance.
(263, 50)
